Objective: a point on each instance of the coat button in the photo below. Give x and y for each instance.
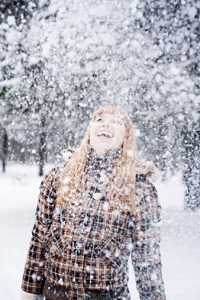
(97, 196)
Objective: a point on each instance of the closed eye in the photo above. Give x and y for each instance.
(118, 121)
(98, 120)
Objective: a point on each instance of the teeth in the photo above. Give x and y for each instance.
(104, 134)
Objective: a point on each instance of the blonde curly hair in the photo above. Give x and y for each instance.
(122, 181)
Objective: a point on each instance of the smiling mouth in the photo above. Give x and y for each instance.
(105, 134)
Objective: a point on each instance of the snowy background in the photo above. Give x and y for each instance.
(60, 60)
(180, 245)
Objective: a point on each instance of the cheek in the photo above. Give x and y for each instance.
(120, 137)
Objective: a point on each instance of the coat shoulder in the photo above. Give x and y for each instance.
(53, 177)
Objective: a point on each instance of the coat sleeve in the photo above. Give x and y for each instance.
(33, 276)
(146, 256)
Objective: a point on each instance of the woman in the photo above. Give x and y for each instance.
(92, 215)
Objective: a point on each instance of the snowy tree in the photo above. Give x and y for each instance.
(69, 58)
(174, 27)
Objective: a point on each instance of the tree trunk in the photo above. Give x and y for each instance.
(5, 150)
(42, 147)
(191, 172)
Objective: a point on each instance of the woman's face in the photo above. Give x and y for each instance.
(107, 133)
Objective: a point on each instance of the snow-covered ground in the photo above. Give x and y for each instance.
(180, 246)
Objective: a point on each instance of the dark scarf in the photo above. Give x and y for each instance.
(100, 163)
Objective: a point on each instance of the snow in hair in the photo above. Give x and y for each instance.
(122, 182)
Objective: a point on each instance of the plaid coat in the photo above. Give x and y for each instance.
(87, 245)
